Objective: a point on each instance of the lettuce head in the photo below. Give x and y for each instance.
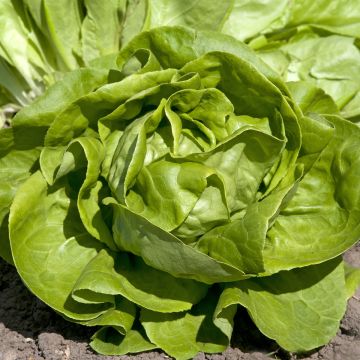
(154, 196)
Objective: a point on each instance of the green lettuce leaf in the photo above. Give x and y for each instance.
(284, 306)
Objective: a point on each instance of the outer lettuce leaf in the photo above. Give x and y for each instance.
(331, 63)
(297, 308)
(339, 17)
(164, 251)
(183, 335)
(20, 146)
(327, 213)
(17, 160)
(352, 280)
(37, 212)
(249, 18)
(81, 151)
(198, 14)
(101, 28)
(130, 277)
(110, 341)
(311, 99)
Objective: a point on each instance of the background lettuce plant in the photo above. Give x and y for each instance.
(153, 197)
(316, 42)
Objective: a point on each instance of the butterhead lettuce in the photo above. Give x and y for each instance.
(154, 197)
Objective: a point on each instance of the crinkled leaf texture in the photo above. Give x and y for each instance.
(154, 198)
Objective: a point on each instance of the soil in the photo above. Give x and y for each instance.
(29, 330)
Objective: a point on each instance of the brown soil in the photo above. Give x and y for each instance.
(29, 330)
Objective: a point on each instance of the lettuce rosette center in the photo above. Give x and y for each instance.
(183, 164)
(154, 197)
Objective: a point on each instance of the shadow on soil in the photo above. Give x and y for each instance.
(29, 330)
